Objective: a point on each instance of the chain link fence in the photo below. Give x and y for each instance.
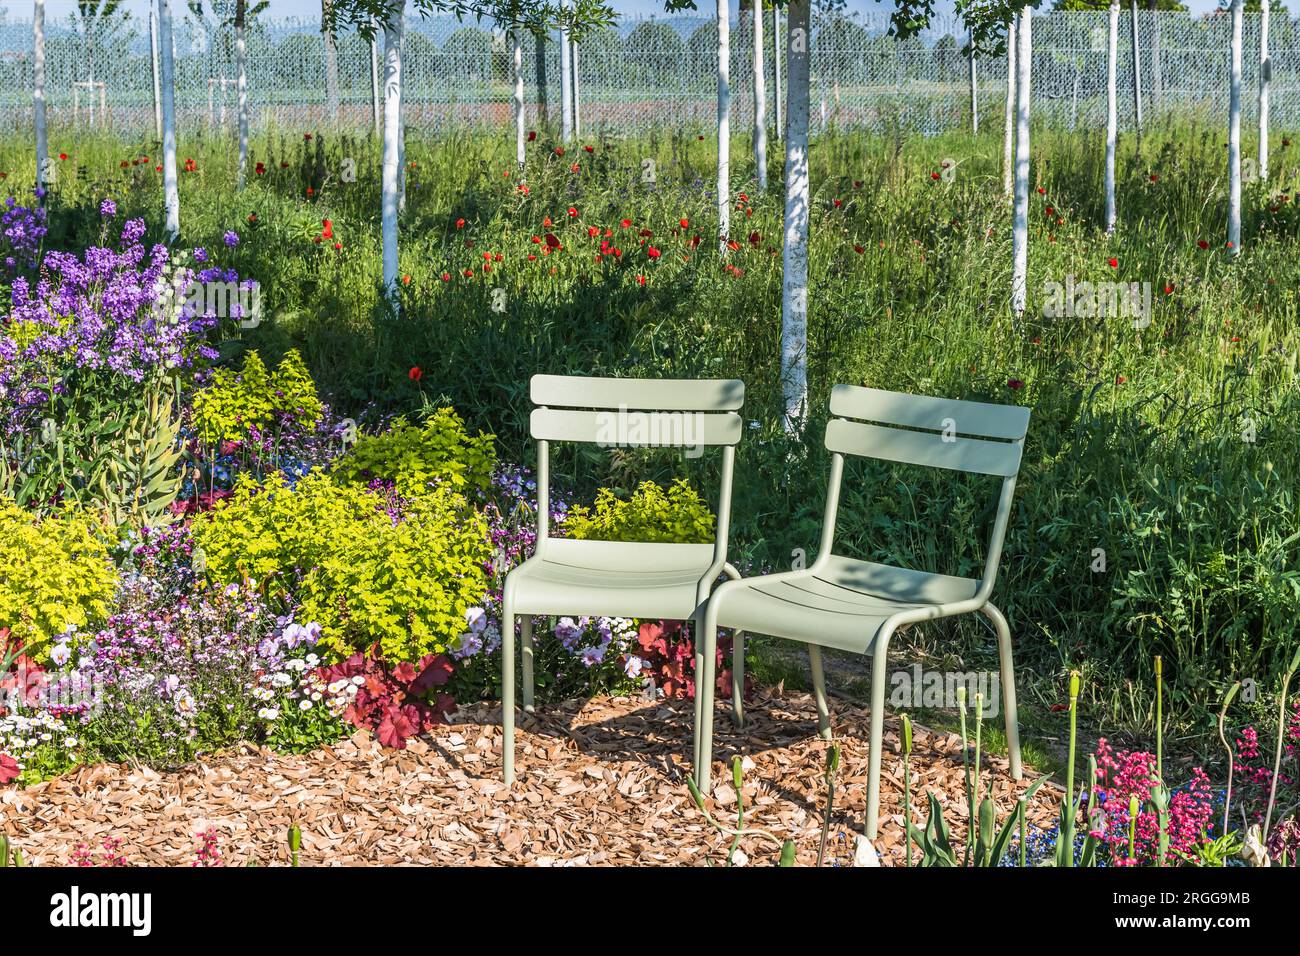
(641, 74)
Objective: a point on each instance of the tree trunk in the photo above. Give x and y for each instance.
(1234, 135)
(171, 183)
(1008, 138)
(760, 98)
(517, 61)
(1265, 80)
(724, 126)
(1112, 113)
(794, 291)
(38, 96)
(331, 63)
(241, 85)
(566, 83)
(777, 102)
(1020, 225)
(392, 159)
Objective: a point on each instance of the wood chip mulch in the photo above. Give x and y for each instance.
(600, 782)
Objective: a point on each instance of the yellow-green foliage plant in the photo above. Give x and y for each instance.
(651, 514)
(362, 576)
(234, 402)
(55, 572)
(416, 457)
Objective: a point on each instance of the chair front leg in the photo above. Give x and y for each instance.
(738, 677)
(1008, 688)
(508, 691)
(697, 633)
(879, 663)
(704, 677)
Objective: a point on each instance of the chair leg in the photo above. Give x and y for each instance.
(879, 663)
(704, 695)
(697, 633)
(738, 677)
(508, 692)
(1010, 716)
(526, 648)
(819, 691)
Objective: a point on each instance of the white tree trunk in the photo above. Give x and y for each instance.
(724, 126)
(38, 95)
(794, 291)
(777, 102)
(1112, 112)
(1234, 134)
(1020, 224)
(392, 159)
(1008, 138)
(1137, 71)
(167, 78)
(1265, 80)
(974, 91)
(566, 84)
(760, 98)
(153, 63)
(241, 87)
(517, 100)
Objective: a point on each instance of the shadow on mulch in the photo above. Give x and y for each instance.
(601, 781)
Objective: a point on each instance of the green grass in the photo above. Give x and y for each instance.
(1135, 447)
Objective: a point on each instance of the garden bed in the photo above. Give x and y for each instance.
(602, 781)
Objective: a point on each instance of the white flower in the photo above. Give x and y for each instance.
(61, 653)
(269, 713)
(304, 705)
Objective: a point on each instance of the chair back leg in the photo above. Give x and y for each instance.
(879, 664)
(738, 677)
(526, 649)
(508, 693)
(819, 691)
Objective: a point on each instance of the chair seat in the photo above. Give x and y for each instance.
(840, 605)
(627, 579)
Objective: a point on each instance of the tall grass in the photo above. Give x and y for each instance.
(1156, 511)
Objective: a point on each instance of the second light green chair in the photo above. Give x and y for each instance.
(629, 579)
(853, 605)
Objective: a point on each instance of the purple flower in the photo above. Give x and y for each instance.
(200, 254)
(231, 238)
(108, 209)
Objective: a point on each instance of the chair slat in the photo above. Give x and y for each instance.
(694, 395)
(922, 411)
(615, 429)
(919, 448)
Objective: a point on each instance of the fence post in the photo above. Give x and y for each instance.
(1137, 72)
(153, 56)
(776, 69)
(1265, 78)
(974, 90)
(375, 107)
(573, 82)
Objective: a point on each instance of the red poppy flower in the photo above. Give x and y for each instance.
(1015, 384)
(1120, 380)
(1041, 190)
(406, 280)
(1202, 243)
(859, 250)
(590, 149)
(552, 242)
(523, 188)
(593, 232)
(415, 374)
(640, 280)
(124, 164)
(839, 203)
(1155, 178)
(625, 223)
(546, 221)
(652, 252)
(328, 230)
(63, 155)
(559, 151)
(755, 238)
(532, 135)
(338, 246)
(684, 223)
(157, 169)
(306, 136)
(460, 223)
(446, 277)
(573, 213)
(934, 175)
(1113, 262)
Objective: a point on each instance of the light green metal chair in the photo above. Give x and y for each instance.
(629, 579)
(853, 605)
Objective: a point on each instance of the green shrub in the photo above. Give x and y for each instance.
(56, 573)
(651, 514)
(362, 575)
(233, 403)
(414, 457)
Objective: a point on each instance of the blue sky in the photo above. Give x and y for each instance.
(308, 8)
